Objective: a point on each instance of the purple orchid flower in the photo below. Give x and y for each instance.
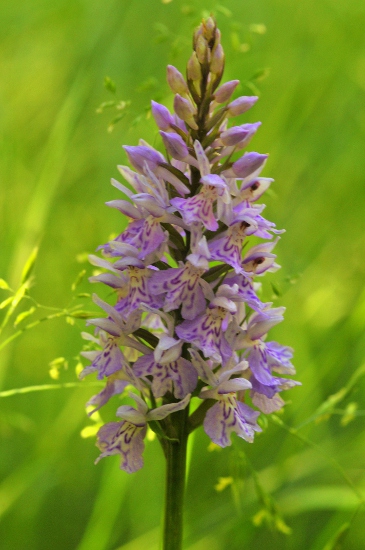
(186, 317)
(126, 437)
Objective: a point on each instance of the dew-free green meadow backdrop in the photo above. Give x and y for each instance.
(307, 60)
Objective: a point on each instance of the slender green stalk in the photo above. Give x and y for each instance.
(175, 484)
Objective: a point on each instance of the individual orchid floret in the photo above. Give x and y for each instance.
(146, 232)
(136, 290)
(126, 437)
(116, 325)
(182, 286)
(241, 105)
(227, 246)
(260, 259)
(266, 397)
(228, 415)
(264, 357)
(246, 290)
(115, 385)
(148, 225)
(261, 322)
(206, 331)
(252, 190)
(208, 372)
(142, 157)
(148, 183)
(170, 372)
(200, 207)
(177, 148)
(258, 225)
(107, 361)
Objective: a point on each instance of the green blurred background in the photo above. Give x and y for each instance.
(307, 60)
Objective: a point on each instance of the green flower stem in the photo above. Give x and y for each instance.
(175, 483)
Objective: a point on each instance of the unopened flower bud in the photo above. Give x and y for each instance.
(162, 115)
(176, 80)
(225, 91)
(217, 38)
(248, 165)
(140, 156)
(209, 29)
(217, 60)
(193, 68)
(175, 145)
(237, 134)
(241, 105)
(198, 32)
(185, 110)
(202, 50)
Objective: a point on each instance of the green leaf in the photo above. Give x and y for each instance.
(29, 265)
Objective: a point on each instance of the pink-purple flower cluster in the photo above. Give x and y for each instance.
(186, 320)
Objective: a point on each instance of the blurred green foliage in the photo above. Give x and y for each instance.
(62, 61)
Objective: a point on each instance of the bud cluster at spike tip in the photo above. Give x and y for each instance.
(186, 318)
